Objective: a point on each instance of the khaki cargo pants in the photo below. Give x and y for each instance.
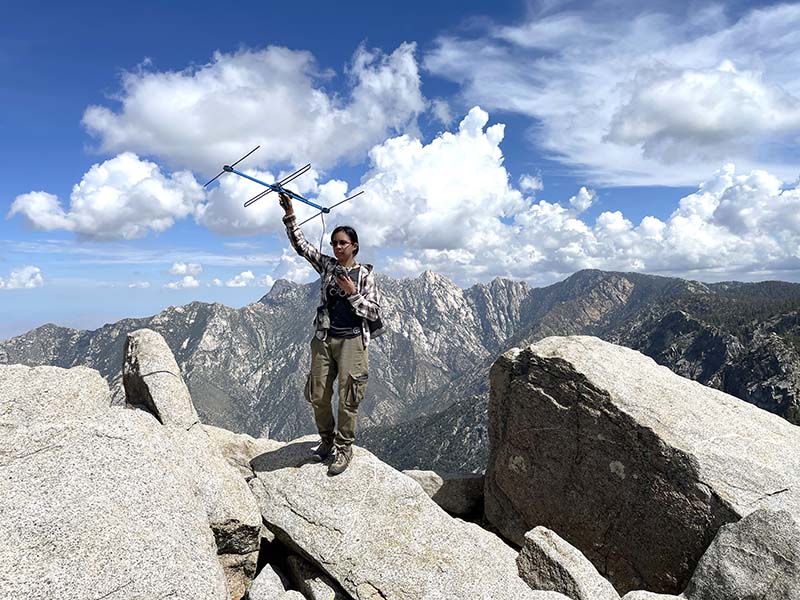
(344, 359)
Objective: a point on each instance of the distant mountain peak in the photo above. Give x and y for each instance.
(279, 290)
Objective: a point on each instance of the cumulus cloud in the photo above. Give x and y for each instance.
(462, 218)
(650, 98)
(446, 194)
(243, 279)
(531, 183)
(121, 198)
(201, 116)
(180, 268)
(26, 277)
(142, 285)
(733, 226)
(186, 282)
(294, 268)
(583, 199)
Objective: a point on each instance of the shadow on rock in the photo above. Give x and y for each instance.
(294, 454)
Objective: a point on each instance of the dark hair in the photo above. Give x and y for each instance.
(350, 233)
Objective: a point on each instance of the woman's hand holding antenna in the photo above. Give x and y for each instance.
(286, 203)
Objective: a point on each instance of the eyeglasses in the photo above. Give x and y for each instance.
(341, 243)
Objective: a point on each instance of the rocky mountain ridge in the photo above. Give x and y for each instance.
(245, 367)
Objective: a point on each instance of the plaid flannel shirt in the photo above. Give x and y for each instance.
(366, 300)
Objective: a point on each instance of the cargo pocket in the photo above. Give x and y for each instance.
(308, 389)
(358, 387)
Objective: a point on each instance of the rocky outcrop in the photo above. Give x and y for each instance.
(458, 493)
(614, 453)
(409, 548)
(620, 456)
(153, 381)
(758, 557)
(547, 562)
(160, 505)
(311, 582)
(92, 500)
(269, 585)
(239, 448)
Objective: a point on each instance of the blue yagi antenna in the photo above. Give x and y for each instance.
(278, 186)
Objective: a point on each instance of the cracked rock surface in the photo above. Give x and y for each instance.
(620, 456)
(153, 380)
(312, 583)
(92, 504)
(376, 532)
(758, 557)
(547, 562)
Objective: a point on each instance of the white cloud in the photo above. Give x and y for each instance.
(186, 282)
(441, 111)
(531, 183)
(26, 277)
(583, 199)
(216, 282)
(463, 219)
(180, 268)
(203, 116)
(143, 285)
(266, 281)
(642, 98)
(436, 195)
(121, 198)
(675, 115)
(294, 268)
(243, 279)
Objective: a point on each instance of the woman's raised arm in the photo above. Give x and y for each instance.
(301, 245)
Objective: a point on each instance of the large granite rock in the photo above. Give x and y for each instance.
(311, 582)
(269, 585)
(153, 381)
(458, 493)
(239, 448)
(375, 531)
(92, 504)
(47, 395)
(621, 456)
(547, 562)
(232, 511)
(758, 557)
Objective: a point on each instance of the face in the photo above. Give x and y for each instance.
(343, 248)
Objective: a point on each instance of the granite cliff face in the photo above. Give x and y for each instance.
(429, 372)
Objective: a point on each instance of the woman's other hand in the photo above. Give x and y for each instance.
(347, 285)
(286, 203)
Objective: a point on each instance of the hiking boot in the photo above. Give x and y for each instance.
(323, 451)
(343, 457)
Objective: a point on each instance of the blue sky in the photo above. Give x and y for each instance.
(523, 140)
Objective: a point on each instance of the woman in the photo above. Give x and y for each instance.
(349, 303)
